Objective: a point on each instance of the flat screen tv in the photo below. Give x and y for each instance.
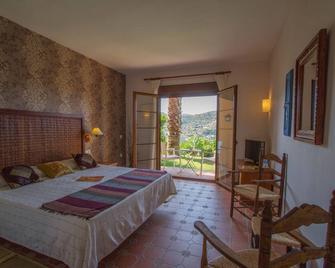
(253, 149)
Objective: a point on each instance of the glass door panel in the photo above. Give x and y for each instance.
(145, 127)
(226, 135)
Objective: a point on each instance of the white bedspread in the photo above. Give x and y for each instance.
(75, 241)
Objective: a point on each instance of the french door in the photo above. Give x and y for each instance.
(146, 139)
(226, 135)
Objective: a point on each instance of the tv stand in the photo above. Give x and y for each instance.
(250, 172)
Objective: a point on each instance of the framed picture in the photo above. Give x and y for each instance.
(288, 103)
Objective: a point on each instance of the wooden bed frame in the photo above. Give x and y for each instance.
(31, 138)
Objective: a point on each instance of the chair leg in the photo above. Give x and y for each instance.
(301, 265)
(254, 240)
(204, 261)
(232, 203)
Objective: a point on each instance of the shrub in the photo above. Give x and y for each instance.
(207, 145)
(164, 119)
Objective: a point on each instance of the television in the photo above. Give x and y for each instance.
(253, 149)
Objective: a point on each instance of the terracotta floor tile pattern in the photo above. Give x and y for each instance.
(168, 238)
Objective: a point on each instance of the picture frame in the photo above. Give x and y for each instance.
(288, 103)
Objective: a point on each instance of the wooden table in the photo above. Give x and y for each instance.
(250, 172)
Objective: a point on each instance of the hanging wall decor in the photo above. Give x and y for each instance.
(288, 103)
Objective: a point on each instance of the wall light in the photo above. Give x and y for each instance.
(88, 136)
(146, 114)
(266, 105)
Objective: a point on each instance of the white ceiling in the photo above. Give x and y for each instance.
(128, 35)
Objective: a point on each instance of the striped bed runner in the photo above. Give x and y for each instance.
(91, 201)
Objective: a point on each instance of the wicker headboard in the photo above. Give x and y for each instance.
(35, 137)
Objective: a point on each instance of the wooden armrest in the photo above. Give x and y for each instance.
(305, 242)
(218, 244)
(266, 181)
(297, 256)
(234, 171)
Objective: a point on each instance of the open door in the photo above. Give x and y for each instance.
(226, 135)
(145, 131)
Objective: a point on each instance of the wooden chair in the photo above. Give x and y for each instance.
(252, 196)
(264, 257)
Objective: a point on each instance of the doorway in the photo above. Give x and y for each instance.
(188, 136)
(152, 150)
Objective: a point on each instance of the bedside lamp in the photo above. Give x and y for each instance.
(97, 132)
(88, 137)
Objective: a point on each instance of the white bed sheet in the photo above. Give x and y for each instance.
(73, 240)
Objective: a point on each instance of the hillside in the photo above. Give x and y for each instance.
(199, 124)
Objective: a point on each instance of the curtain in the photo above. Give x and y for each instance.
(154, 86)
(221, 80)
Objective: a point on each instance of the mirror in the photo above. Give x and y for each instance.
(310, 97)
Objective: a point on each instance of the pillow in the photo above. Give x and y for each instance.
(4, 188)
(85, 161)
(54, 169)
(19, 175)
(39, 172)
(70, 163)
(2, 181)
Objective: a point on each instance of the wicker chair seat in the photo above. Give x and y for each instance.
(249, 191)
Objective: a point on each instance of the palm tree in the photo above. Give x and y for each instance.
(174, 122)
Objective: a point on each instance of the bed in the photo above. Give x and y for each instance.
(76, 241)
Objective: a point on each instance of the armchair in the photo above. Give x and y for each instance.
(264, 257)
(253, 196)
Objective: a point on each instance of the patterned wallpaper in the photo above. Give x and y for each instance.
(39, 74)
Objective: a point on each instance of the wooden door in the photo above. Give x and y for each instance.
(146, 152)
(226, 135)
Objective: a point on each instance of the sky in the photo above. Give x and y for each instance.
(193, 105)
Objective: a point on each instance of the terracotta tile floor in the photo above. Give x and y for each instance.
(168, 238)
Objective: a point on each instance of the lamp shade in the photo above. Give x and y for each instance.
(96, 132)
(266, 105)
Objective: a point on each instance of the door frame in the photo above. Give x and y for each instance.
(235, 87)
(134, 128)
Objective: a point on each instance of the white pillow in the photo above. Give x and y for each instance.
(70, 163)
(2, 181)
(39, 172)
(4, 188)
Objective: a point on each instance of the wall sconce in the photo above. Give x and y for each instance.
(227, 117)
(266, 105)
(95, 132)
(146, 114)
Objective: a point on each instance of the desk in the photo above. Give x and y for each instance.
(249, 172)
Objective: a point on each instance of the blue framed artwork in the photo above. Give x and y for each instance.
(288, 103)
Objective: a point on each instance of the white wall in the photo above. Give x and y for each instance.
(311, 176)
(252, 81)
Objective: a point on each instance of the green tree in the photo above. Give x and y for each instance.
(164, 119)
(207, 145)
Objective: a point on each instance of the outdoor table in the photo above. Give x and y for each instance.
(189, 155)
